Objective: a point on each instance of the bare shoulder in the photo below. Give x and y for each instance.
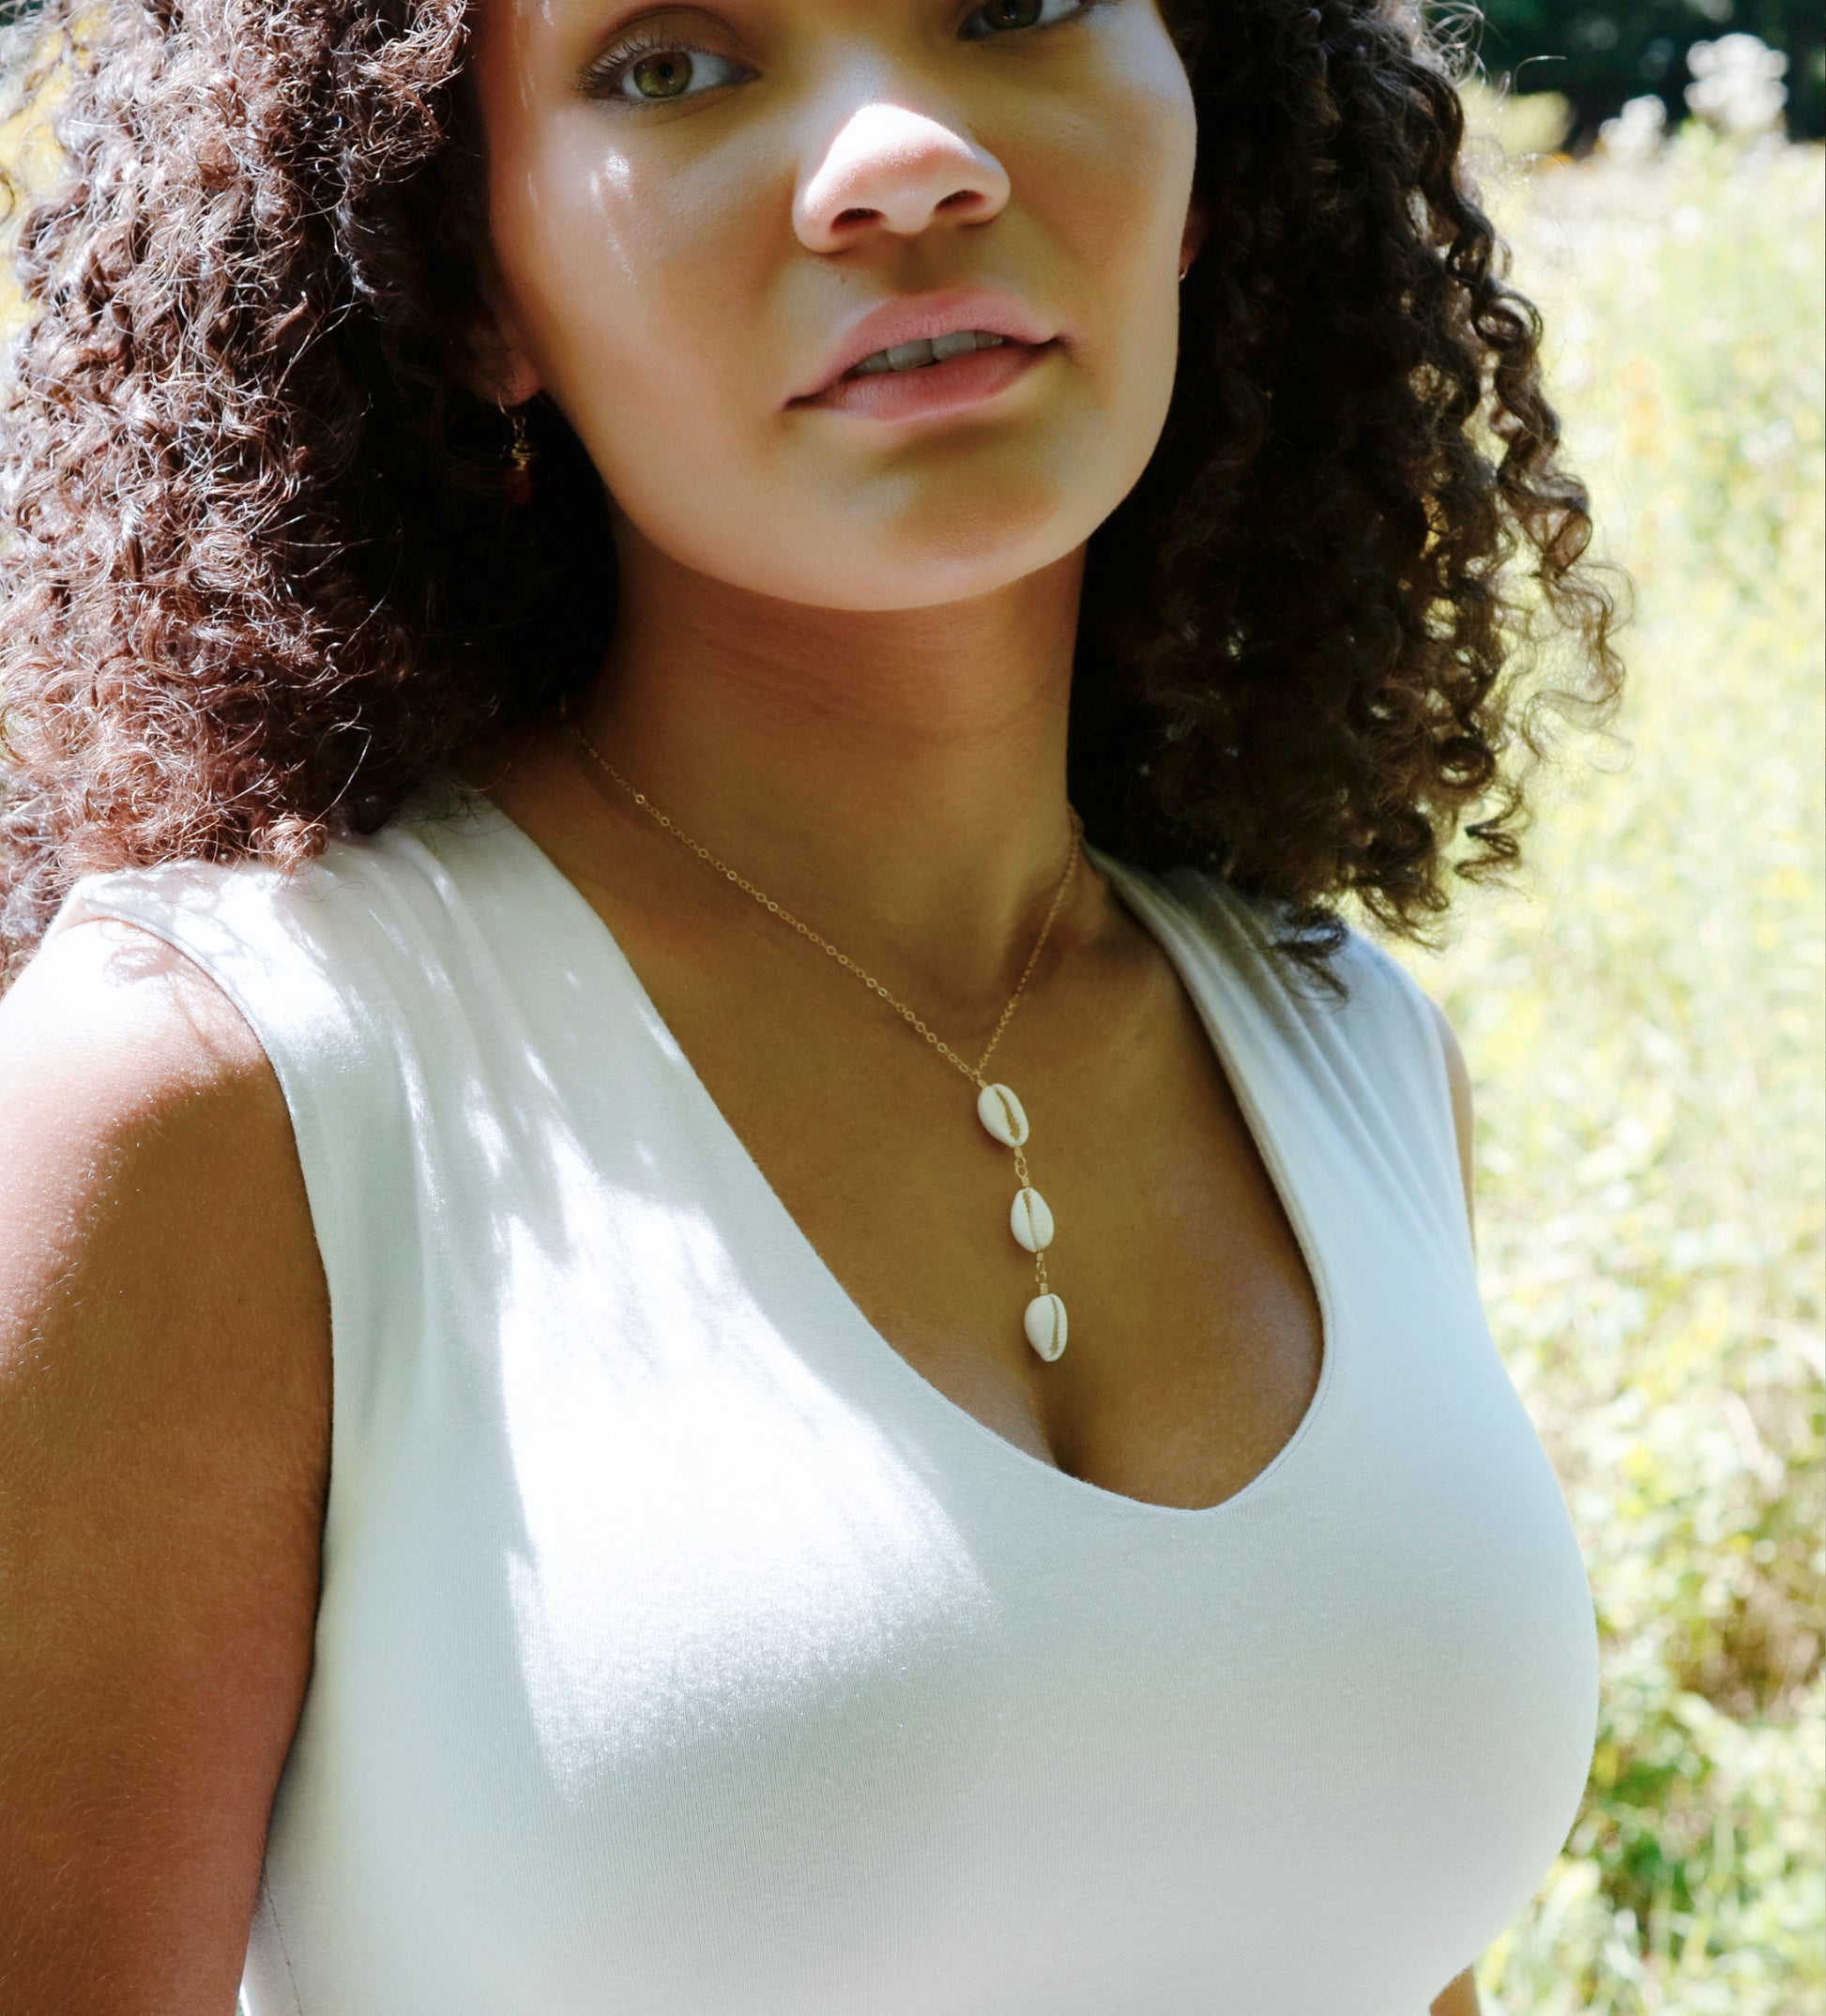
(123, 1024)
(164, 1411)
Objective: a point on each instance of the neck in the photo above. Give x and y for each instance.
(895, 777)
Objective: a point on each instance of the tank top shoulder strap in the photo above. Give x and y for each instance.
(1358, 1065)
(351, 972)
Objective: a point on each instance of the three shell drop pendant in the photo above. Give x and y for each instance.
(1029, 1218)
(997, 1107)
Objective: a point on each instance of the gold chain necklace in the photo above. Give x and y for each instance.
(1000, 1112)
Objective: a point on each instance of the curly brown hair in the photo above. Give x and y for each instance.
(263, 570)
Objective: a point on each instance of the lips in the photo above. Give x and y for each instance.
(924, 318)
(945, 388)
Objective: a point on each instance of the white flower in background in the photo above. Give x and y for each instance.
(1635, 133)
(1737, 84)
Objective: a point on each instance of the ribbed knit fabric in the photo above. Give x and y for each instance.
(682, 1651)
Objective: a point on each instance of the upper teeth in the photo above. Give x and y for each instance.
(928, 351)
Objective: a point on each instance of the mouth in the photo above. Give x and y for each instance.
(921, 354)
(937, 384)
(930, 353)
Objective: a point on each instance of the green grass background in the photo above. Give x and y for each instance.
(1641, 1015)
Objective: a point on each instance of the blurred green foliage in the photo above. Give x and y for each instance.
(1642, 1017)
(1596, 53)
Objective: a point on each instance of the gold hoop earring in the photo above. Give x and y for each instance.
(519, 454)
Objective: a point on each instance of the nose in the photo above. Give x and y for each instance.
(895, 170)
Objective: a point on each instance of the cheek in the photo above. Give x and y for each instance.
(1108, 190)
(1110, 185)
(631, 282)
(649, 289)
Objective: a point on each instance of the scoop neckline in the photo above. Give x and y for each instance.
(1174, 932)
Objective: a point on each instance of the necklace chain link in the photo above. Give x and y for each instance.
(973, 1072)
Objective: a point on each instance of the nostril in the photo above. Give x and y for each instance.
(854, 217)
(962, 199)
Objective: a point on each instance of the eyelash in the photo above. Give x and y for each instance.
(1083, 8)
(605, 74)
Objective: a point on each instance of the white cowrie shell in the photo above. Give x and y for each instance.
(1001, 1112)
(1046, 1326)
(1031, 1220)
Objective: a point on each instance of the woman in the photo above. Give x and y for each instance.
(691, 687)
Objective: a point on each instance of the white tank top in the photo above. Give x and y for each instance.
(682, 1651)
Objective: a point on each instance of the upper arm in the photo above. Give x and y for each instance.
(164, 1403)
(1459, 1078)
(1459, 1998)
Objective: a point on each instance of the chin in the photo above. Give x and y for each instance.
(942, 549)
(912, 574)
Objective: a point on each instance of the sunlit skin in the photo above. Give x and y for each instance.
(673, 273)
(850, 636)
(845, 651)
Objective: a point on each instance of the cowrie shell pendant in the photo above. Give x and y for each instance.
(997, 1109)
(1029, 1217)
(1002, 1113)
(1030, 1220)
(1046, 1326)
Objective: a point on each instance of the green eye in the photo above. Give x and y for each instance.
(667, 75)
(661, 76)
(1008, 17)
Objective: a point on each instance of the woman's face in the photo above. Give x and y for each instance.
(704, 218)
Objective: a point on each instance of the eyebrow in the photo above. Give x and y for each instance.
(616, 20)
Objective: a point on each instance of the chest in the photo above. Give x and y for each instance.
(684, 1646)
(1195, 1334)
(783, 1685)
